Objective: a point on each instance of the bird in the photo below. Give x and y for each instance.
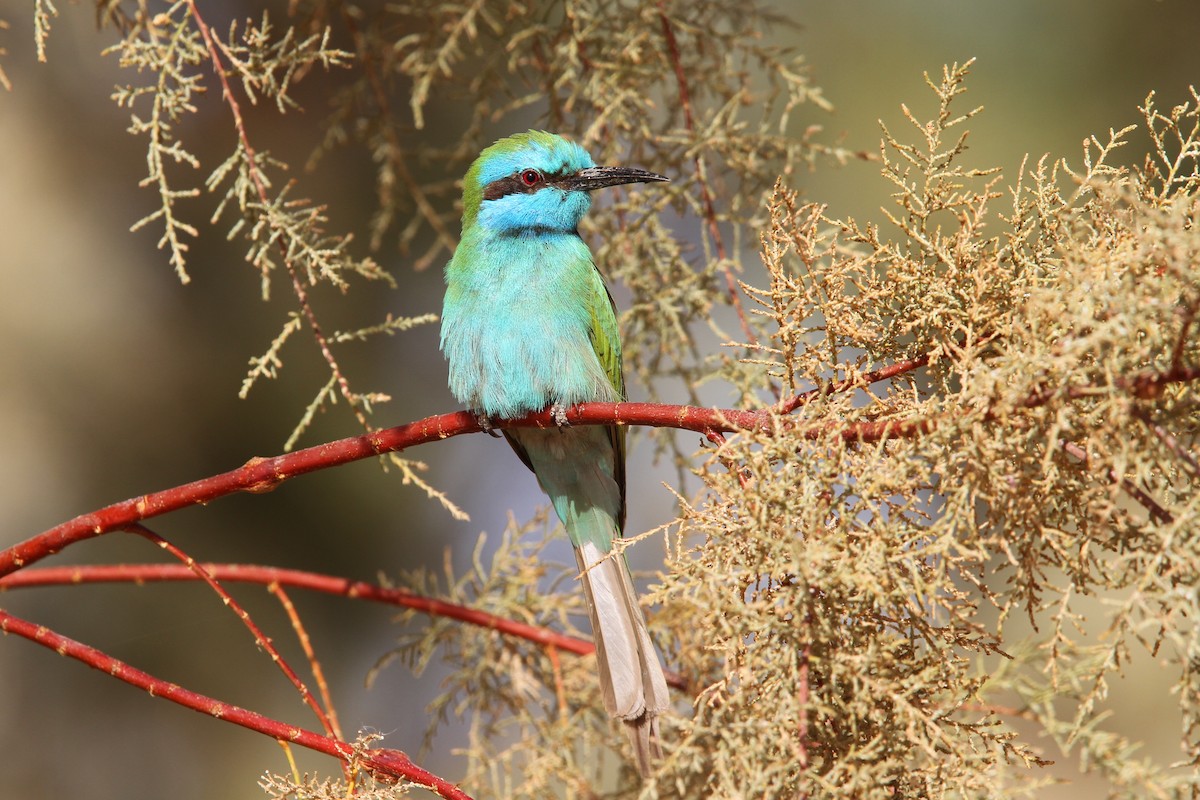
(528, 324)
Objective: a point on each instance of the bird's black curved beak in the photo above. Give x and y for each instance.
(598, 177)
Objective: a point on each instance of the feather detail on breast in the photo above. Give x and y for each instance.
(518, 332)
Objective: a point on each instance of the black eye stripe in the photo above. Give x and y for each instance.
(513, 184)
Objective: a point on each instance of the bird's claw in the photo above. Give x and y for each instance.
(559, 415)
(485, 424)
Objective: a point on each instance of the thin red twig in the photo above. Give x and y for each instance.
(328, 584)
(718, 438)
(301, 579)
(384, 764)
(835, 387)
(334, 729)
(1160, 514)
(1172, 443)
(261, 639)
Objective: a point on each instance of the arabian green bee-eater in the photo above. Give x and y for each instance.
(528, 324)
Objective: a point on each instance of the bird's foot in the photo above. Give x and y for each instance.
(485, 424)
(559, 414)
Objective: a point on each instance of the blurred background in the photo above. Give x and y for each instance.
(118, 380)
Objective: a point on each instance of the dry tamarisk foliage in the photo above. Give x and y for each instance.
(891, 615)
(867, 606)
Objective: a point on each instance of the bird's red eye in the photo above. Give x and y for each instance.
(531, 177)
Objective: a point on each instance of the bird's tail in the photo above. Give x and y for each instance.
(631, 677)
(580, 469)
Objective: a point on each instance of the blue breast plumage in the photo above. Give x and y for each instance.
(515, 334)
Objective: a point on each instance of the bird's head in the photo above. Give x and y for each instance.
(537, 181)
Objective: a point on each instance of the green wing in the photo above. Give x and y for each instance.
(606, 341)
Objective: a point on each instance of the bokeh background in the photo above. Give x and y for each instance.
(116, 380)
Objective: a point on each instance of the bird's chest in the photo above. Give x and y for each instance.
(516, 326)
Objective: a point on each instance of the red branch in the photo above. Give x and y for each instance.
(384, 764)
(261, 475)
(264, 474)
(313, 581)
